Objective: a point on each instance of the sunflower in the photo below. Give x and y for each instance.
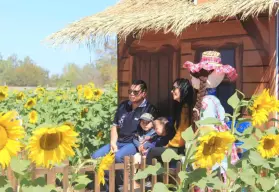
(83, 112)
(3, 95)
(212, 148)
(116, 86)
(104, 164)
(20, 96)
(92, 85)
(4, 88)
(262, 105)
(70, 124)
(269, 146)
(33, 117)
(48, 146)
(88, 93)
(10, 131)
(259, 117)
(97, 94)
(40, 91)
(30, 103)
(100, 135)
(79, 87)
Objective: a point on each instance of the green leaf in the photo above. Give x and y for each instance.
(249, 143)
(241, 120)
(256, 159)
(233, 101)
(274, 119)
(182, 175)
(236, 187)
(202, 183)
(228, 115)
(150, 170)
(82, 182)
(248, 176)
(40, 181)
(215, 183)
(197, 174)
(3, 181)
(267, 182)
(160, 187)
(188, 134)
(47, 188)
(19, 166)
(170, 154)
(275, 162)
(232, 174)
(258, 133)
(209, 121)
(248, 131)
(272, 130)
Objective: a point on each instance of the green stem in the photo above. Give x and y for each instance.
(233, 120)
(177, 184)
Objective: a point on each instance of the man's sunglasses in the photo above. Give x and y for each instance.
(134, 92)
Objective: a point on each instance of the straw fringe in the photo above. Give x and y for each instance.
(139, 16)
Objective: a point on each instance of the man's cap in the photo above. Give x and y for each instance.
(146, 117)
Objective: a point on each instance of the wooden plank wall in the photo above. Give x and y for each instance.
(124, 76)
(255, 71)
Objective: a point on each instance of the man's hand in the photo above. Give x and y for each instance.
(113, 147)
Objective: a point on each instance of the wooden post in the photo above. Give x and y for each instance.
(126, 174)
(112, 178)
(132, 171)
(51, 176)
(96, 181)
(166, 174)
(3, 172)
(154, 177)
(142, 181)
(178, 169)
(11, 178)
(65, 180)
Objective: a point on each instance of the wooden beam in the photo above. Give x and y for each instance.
(257, 31)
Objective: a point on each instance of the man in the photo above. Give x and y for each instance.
(125, 125)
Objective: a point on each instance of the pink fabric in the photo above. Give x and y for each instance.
(205, 64)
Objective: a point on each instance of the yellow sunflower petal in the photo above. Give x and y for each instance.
(53, 144)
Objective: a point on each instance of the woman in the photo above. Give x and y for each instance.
(182, 93)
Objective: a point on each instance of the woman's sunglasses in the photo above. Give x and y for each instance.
(174, 88)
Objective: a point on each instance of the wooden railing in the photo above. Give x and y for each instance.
(128, 168)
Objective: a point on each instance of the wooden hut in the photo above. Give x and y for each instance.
(155, 37)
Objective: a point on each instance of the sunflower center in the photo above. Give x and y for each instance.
(51, 141)
(2, 95)
(211, 147)
(268, 144)
(3, 137)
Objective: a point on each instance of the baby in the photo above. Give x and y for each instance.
(150, 133)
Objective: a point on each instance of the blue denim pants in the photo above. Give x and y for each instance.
(124, 149)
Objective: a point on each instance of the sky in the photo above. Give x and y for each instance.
(24, 24)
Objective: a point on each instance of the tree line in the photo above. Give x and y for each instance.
(103, 70)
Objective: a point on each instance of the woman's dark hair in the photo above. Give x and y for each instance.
(186, 97)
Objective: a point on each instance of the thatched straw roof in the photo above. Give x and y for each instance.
(129, 16)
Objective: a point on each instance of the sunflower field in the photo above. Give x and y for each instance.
(241, 158)
(87, 109)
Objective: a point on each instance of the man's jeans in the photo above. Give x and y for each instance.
(124, 149)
